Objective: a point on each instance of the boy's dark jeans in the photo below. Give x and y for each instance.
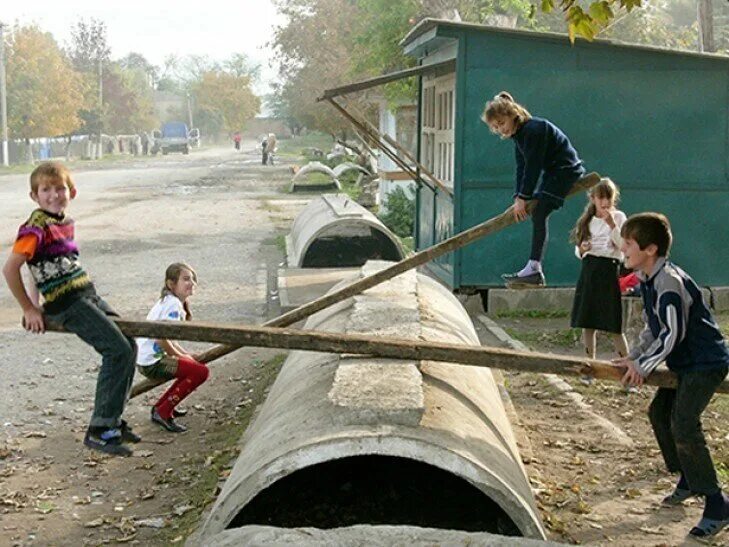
(676, 418)
(88, 318)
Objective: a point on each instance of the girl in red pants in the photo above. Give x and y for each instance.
(166, 359)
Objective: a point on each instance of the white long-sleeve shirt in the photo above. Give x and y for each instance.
(604, 241)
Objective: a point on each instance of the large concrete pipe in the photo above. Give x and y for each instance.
(334, 231)
(298, 183)
(344, 440)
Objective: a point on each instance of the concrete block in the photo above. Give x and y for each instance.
(530, 299)
(721, 298)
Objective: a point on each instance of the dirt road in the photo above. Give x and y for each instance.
(219, 211)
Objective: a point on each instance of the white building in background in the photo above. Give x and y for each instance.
(400, 124)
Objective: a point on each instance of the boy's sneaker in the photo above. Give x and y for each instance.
(179, 412)
(677, 497)
(708, 528)
(534, 280)
(106, 440)
(128, 436)
(169, 424)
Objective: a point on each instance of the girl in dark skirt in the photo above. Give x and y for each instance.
(597, 305)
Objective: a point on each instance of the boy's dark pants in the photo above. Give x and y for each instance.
(676, 418)
(88, 318)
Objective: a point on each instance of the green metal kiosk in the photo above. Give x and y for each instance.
(654, 120)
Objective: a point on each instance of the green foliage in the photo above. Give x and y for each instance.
(44, 93)
(400, 214)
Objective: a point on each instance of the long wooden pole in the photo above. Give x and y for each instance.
(376, 139)
(418, 259)
(375, 346)
(404, 151)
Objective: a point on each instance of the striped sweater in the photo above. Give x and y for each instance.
(680, 329)
(48, 242)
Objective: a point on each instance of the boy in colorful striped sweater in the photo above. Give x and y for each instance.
(46, 243)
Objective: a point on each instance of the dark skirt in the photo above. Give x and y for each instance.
(597, 302)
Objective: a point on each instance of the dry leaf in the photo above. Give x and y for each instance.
(658, 530)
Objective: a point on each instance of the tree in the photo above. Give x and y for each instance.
(128, 101)
(137, 62)
(44, 92)
(227, 95)
(89, 45)
(314, 52)
(239, 64)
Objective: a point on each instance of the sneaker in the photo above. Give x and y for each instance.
(128, 436)
(677, 497)
(179, 412)
(587, 380)
(169, 424)
(535, 280)
(106, 440)
(708, 528)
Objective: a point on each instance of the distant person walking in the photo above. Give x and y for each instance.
(236, 140)
(270, 148)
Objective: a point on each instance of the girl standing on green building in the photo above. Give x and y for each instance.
(547, 166)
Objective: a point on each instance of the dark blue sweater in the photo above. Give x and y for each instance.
(543, 150)
(680, 329)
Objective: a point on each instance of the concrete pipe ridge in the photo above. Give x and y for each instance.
(346, 440)
(333, 231)
(342, 168)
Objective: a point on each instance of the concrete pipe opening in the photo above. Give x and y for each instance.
(376, 490)
(346, 246)
(336, 232)
(344, 440)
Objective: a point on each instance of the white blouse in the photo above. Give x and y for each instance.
(604, 241)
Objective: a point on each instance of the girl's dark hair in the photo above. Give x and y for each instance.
(606, 188)
(172, 274)
(649, 228)
(503, 105)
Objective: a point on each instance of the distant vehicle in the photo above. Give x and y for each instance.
(175, 137)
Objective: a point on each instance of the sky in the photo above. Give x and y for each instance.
(158, 28)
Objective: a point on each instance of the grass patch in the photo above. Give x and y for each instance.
(314, 179)
(281, 243)
(349, 184)
(295, 146)
(408, 243)
(566, 338)
(533, 314)
(722, 470)
(271, 207)
(207, 469)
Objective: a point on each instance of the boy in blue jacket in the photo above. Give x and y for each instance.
(681, 331)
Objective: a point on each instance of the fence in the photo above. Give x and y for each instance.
(74, 147)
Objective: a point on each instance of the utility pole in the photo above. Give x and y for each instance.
(706, 26)
(3, 99)
(101, 109)
(189, 109)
